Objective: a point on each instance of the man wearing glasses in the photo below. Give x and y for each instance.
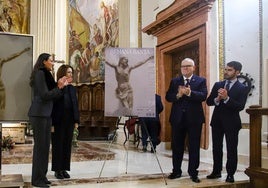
(186, 93)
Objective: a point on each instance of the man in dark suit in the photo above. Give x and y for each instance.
(186, 94)
(229, 98)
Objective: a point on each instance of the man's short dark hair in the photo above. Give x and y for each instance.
(235, 64)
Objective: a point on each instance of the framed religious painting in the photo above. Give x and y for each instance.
(93, 26)
(16, 60)
(15, 16)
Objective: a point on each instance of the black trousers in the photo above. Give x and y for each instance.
(153, 128)
(62, 144)
(178, 136)
(41, 134)
(231, 137)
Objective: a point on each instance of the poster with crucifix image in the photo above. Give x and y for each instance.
(129, 82)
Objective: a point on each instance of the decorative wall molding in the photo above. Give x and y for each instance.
(178, 12)
(221, 38)
(261, 47)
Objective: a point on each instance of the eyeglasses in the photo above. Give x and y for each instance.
(186, 66)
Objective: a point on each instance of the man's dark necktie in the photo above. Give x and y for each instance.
(187, 82)
(227, 87)
(185, 102)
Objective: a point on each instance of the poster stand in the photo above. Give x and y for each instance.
(141, 123)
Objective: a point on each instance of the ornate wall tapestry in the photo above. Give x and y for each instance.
(16, 60)
(15, 16)
(93, 26)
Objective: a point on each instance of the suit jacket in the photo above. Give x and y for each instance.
(42, 102)
(68, 100)
(158, 106)
(193, 103)
(228, 114)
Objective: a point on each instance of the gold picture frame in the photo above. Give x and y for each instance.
(15, 16)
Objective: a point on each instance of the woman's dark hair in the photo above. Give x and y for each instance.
(63, 70)
(38, 65)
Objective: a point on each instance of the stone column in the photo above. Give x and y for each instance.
(43, 26)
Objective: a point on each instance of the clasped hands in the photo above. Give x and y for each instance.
(183, 90)
(64, 81)
(222, 94)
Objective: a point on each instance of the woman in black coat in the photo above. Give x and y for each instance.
(45, 91)
(65, 117)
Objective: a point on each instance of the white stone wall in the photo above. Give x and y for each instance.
(242, 42)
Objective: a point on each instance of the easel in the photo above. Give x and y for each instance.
(126, 148)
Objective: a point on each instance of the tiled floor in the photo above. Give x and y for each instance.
(131, 168)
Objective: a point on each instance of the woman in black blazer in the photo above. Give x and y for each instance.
(45, 90)
(65, 117)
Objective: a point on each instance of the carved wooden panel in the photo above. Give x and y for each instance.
(84, 98)
(93, 124)
(190, 50)
(98, 100)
